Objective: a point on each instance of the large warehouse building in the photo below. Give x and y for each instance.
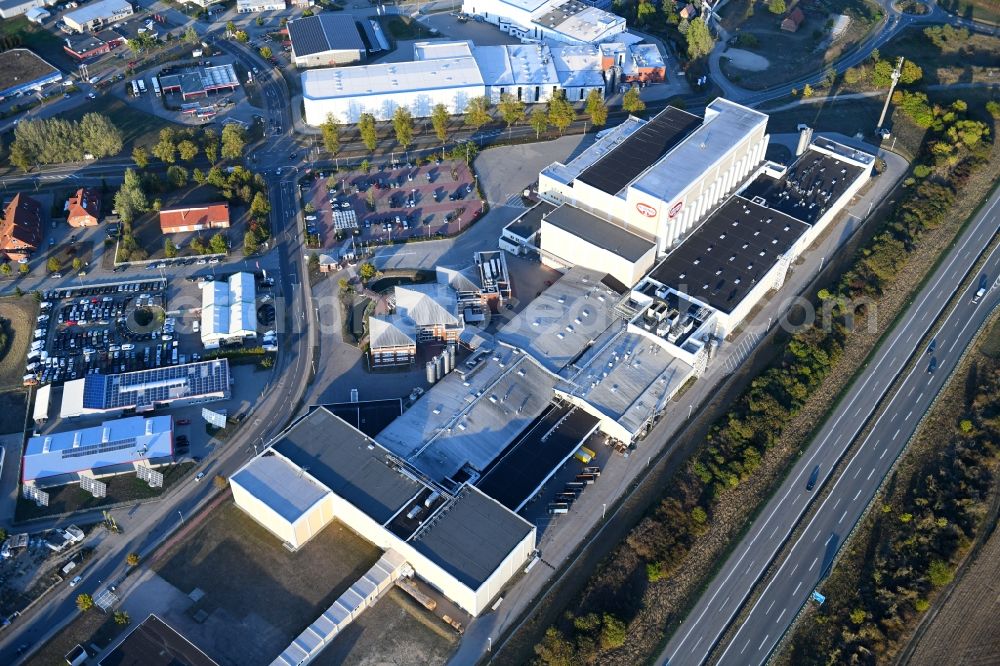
(452, 73)
(696, 196)
(22, 70)
(94, 15)
(326, 40)
(460, 541)
(562, 21)
(145, 390)
(114, 447)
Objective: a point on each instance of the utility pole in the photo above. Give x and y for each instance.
(892, 86)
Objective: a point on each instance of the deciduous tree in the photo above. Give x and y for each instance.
(402, 122)
(331, 134)
(561, 113)
(368, 131)
(596, 108)
(699, 39)
(477, 112)
(631, 102)
(439, 119)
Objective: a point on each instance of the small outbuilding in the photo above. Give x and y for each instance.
(793, 21)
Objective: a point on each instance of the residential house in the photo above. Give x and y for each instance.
(194, 218)
(21, 228)
(83, 209)
(793, 21)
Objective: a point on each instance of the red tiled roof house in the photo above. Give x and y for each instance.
(21, 228)
(793, 20)
(194, 218)
(83, 209)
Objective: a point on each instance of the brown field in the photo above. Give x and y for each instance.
(20, 314)
(964, 630)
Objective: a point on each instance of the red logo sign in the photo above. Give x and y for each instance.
(645, 209)
(676, 208)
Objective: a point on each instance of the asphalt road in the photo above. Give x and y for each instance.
(814, 551)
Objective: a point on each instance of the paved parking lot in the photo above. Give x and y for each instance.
(107, 329)
(393, 203)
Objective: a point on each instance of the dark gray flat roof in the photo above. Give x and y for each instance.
(530, 221)
(810, 186)
(640, 151)
(348, 463)
(324, 32)
(472, 536)
(153, 642)
(729, 253)
(599, 233)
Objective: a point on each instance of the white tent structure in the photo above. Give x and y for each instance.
(228, 310)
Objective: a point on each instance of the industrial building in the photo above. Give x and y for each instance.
(153, 642)
(452, 73)
(145, 390)
(326, 40)
(659, 179)
(562, 21)
(95, 15)
(200, 82)
(254, 6)
(114, 447)
(12, 8)
(228, 310)
(458, 540)
(22, 71)
(695, 197)
(391, 340)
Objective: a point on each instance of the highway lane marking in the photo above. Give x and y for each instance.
(781, 616)
(774, 532)
(920, 396)
(870, 474)
(908, 415)
(768, 611)
(815, 537)
(698, 643)
(883, 453)
(814, 563)
(749, 567)
(834, 507)
(856, 473)
(745, 647)
(842, 516)
(972, 237)
(912, 389)
(795, 569)
(909, 337)
(856, 494)
(762, 642)
(896, 434)
(724, 603)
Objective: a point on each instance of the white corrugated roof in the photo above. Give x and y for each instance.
(428, 304)
(385, 78)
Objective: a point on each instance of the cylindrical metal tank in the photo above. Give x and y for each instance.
(452, 352)
(446, 361)
(431, 372)
(439, 366)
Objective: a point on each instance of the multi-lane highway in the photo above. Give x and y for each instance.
(815, 548)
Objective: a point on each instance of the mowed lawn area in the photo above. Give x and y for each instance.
(258, 596)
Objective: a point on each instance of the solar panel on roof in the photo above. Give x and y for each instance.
(639, 151)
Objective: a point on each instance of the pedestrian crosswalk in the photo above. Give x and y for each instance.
(515, 201)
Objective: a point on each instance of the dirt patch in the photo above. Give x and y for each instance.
(747, 61)
(394, 631)
(258, 596)
(20, 315)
